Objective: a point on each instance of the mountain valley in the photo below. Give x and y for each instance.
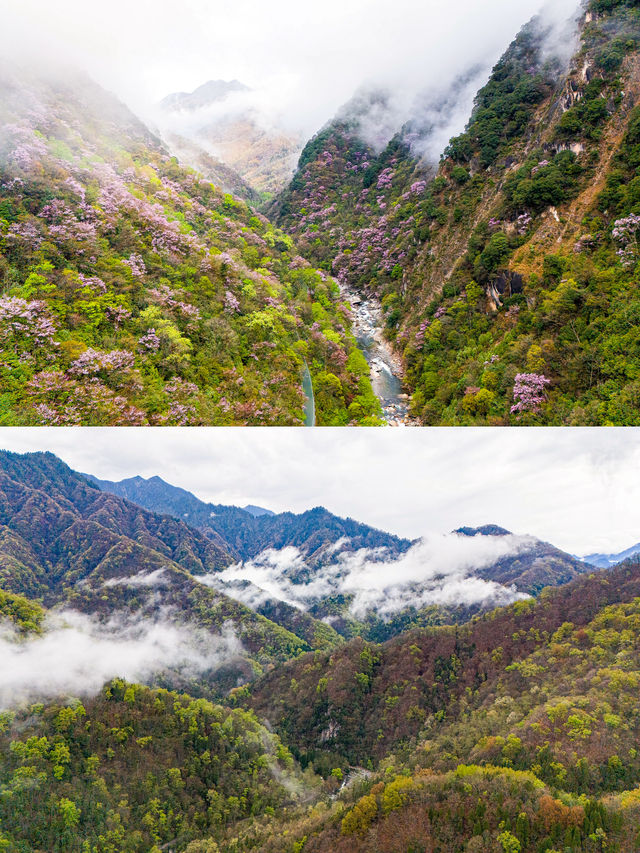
(509, 722)
(501, 273)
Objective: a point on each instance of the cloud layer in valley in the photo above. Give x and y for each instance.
(76, 655)
(435, 570)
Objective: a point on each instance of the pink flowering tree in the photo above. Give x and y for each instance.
(626, 233)
(529, 392)
(26, 330)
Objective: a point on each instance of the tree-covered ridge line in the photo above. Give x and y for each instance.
(507, 280)
(317, 545)
(70, 546)
(139, 546)
(364, 700)
(246, 535)
(134, 292)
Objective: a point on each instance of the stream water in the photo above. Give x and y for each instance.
(310, 403)
(384, 366)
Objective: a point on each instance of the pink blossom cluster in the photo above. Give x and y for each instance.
(625, 233)
(58, 399)
(27, 232)
(117, 314)
(92, 282)
(136, 264)
(421, 331)
(385, 179)
(180, 414)
(93, 361)
(181, 388)
(529, 392)
(13, 184)
(29, 148)
(163, 295)
(65, 227)
(150, 341)
(166, 236)
(29, 319)
(523, 222)
(76, 188)
(231, 303)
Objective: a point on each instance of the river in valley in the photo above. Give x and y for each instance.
(384, 366)
(310, 403)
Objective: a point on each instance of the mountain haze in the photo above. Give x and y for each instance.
(606, 561)
(343, 572)
(221, 117)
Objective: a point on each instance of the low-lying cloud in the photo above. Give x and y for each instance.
(155, 579)
(437, 570)
(433, 88)
(77, 654)
(301, 62)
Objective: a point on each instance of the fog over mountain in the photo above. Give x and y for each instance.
(76, 655)
(302, 64)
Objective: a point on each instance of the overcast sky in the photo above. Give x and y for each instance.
(305, 58)
(578, 488)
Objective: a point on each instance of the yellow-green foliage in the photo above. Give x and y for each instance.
(24, 614)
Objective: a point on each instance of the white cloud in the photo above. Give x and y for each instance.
(77, 655)
(436, 570)
(157, 578)
(303, 60)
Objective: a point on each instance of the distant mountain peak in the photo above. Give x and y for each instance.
(211, 92)
(257, 511)
(484, 530)
(607, 561)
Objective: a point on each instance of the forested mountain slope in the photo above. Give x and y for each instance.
(508, 280)
(365, 700)
(135, 769)
(68, 544)
(514, 732)
(246, 534)
(134, 292)
(305, 559)
(527, 743)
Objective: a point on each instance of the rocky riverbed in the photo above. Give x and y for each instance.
(385, 367)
